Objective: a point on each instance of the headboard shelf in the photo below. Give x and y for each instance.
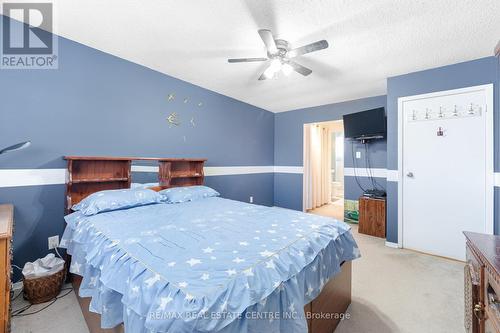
(98, 180)
(122, 158)
(90, 174)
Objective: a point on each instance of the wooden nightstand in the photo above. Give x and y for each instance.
(6, 222)
(372, 217)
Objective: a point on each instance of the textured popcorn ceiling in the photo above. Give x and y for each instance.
(370, 40)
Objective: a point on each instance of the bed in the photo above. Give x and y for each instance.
(209, 265)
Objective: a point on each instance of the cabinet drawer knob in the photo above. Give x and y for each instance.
(479, 311)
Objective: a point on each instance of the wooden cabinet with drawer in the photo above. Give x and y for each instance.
(6, 222)
(482, 283)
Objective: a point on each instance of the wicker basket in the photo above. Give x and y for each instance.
(43, 289)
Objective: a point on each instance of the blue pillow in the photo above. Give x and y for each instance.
(142, 186)
(105, 201)
(188, 193)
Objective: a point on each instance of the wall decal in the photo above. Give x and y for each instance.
(173, 119)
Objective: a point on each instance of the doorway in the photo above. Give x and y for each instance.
(324, 168)
(446, 169)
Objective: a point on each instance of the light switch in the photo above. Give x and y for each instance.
(358, 154)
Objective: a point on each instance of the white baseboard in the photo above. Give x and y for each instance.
(391, 244)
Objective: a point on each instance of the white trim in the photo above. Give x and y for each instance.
(393, 245)
(392, 175)
(31, 177)
(39, 177)
(289, 169)
(237, 170)
(144, 168)
(234, 170)
(363, 172)
(219, 171)
(497, 179)
(490, 176)
(306, 161)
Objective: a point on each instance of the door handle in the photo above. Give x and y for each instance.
(409, 174)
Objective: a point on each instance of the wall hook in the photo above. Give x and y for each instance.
(471, 109)
(440, 112)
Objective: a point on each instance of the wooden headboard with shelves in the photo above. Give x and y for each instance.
(90, 174)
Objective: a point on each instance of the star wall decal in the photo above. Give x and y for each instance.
(173, 119)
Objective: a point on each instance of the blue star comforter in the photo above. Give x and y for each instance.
(212, 265)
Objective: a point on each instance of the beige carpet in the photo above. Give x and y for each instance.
(397, 290)
(393, 291)
(335, 210)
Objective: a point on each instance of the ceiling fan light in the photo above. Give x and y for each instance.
(269, 72)
(287, 69)
(275, 65)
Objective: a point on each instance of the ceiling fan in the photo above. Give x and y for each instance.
(280, 54)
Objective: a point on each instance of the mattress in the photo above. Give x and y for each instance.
(211, 265)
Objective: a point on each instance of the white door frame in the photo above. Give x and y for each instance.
(305, 158)
(490, 176)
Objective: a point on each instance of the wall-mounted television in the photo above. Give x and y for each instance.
(365, 125)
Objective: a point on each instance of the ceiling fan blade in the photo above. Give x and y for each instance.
(268, 39)
(267, 74)
(316, 46)
(299, 68)
(246, 60)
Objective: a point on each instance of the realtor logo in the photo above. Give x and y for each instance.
(27, 39)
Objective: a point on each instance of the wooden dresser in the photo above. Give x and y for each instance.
(372, 217)
(6, 225)
(482, 283)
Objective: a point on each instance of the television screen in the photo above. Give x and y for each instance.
(369, 124)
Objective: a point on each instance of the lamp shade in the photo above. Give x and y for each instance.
(17, 146)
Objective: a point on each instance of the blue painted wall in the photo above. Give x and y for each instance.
(288, 147)
(466, 74)
(376, 153)
(98, 104)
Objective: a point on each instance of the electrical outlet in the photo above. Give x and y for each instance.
(251, 199)
(53, 242)
(358, 154)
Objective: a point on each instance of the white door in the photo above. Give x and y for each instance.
(447, 169)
